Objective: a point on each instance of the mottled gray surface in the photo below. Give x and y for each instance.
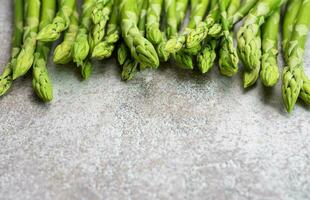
(168, 134)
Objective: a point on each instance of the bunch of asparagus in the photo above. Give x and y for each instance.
(144, 33)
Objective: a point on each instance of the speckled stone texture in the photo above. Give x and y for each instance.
(168, 134)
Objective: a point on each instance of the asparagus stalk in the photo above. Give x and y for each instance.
(249, 40)
(270, 71)
(41, 82)
(122, 54)
(291, 10)
(17, 37)
(81, 46)
(206, 58)
(228, 62)
(60, 23)
(181, 7)
(130, 66)
(141, 49)
(100, 16)
(153, 33)
(63, 52)
(211, 28)
(293, 74)
(198, 12)
(25, 58)
(105, 48)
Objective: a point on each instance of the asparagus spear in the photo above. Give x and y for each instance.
(291, 10)
(130, 66)
(183, 59)
(206, 58)
(153, 33)
(81, 46)
(198, 11)
(141, 49)
(60, 23)
(249, 40)
(41, 82)
(25, 58)
(228, 62)
(105, 48)
(211, 28)
(181, 7)
(17, 37)
(122, 54)
(63, 52)
(270, 71)
(100, 16)
(293, 72)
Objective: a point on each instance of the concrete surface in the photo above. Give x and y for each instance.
(168, 134)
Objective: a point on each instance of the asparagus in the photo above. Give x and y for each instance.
(211, 28)
(181, 7)
(305, 89)
(81, 46)
(293, 72)
(292, 9)
(141, 49)
(130, 66)
(228, 62)
(153, 33)
(183, 60)
(206, 58)
(41, 82)
(100, 16)
(63, 52)
(198, 11)
(122, 53)
(247, 5)
(60, 23)
(288, 26)
(25, 58)
(174, 8)
(105, 48)
(249, 40)
(270, 71)
(17, 37)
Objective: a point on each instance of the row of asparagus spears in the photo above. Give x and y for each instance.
(144, 33)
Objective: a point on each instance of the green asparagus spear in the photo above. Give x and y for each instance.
(153, 33)
(228, 62)
(63, 52)
(206, 58)
(181, 7)
(122, 53)
(130, 66)
(105, 48)
(291, 13)
(305, 89)
(246, 6)
(249, 40)
(60, 23)
(6, 76)
(41, 82)
(81, 46)
(25, 58)
(198, 12)
(293, 72)
(211, 28)
(141, 49)
(270, 71)
(100, 16)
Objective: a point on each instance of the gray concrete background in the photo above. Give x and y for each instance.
(168, 134)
